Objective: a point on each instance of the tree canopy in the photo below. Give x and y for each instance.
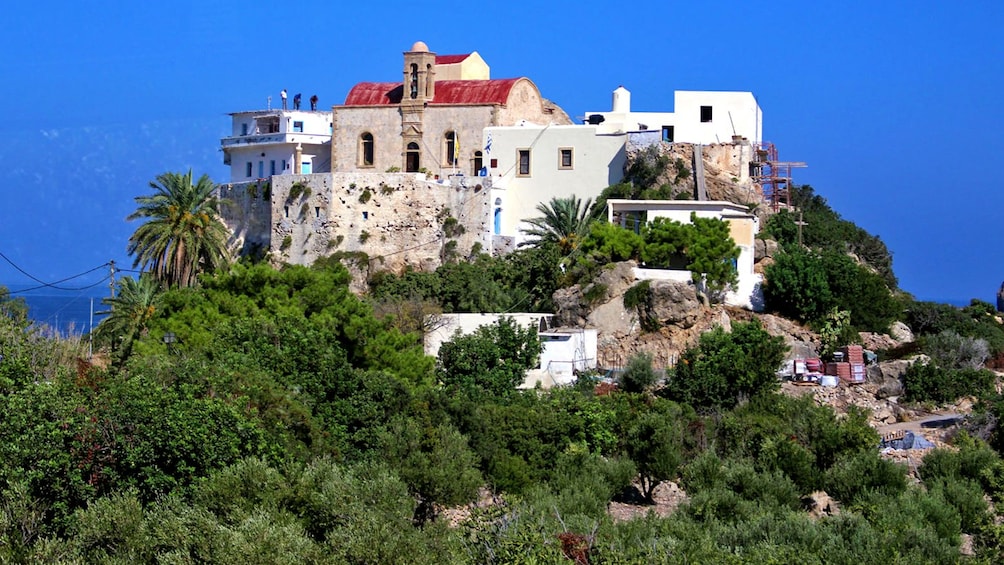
(182, 235)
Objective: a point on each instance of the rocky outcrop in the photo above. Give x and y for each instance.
(819, 504)
(885, 380)
(674, 303)
(726, 171)
(901, 332)
(765, 249)
(1000, 299)
(673, 317)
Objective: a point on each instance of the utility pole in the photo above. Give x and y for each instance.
(111, 277)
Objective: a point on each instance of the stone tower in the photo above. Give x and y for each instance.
(419, 89)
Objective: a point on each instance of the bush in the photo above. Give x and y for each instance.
(726, 368)
(639, 375)
(493, 360)
(806, 286)
(861, 474)
(953, 351)
(929, 382)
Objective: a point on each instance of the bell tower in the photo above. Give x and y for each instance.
(419, 73)
(419, 88)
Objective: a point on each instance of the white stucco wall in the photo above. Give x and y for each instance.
(468, 323)
(565, 352)
(732, 113)
(261, 147)
(597, 162)
(743, 227)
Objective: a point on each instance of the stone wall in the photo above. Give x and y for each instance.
(246, 208)
(397, 220)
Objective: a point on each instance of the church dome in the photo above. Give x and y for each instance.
(419, 47)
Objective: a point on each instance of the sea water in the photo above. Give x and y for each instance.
(66, 314)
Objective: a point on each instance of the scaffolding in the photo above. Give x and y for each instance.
(773, 175)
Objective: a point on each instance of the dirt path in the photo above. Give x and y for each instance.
(927, 424)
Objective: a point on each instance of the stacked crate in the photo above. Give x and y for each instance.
(841, 369)
(854, 355)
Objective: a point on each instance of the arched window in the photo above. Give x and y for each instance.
(478, 163)
(428, 81)
(412, 162)
(414, 80)
(366, 150)
(451, 149)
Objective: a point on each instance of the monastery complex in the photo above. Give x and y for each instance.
(449, 161)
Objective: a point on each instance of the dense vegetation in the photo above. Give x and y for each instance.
(257, 415)
(288, 423)
(830, 265)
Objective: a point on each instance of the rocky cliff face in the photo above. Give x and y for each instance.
(667, 321)
(726, 169)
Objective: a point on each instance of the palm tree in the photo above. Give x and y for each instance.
(565, 222)
(183, 235)
(132, 308)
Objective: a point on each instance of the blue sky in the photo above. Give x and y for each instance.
(892, 104)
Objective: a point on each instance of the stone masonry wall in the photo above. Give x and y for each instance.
(398, 220)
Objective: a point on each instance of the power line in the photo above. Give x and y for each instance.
(53, 285)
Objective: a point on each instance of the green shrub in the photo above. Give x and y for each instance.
(862, 473)
(927, 382)
(726, 368)
(639, 375)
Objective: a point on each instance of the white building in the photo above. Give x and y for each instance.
(743, 228)
(531, 164)
(565, 350)
(264, 143)
(698, 117)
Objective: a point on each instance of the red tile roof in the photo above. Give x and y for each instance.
(372, 93)
(447, 92)
(450, 59)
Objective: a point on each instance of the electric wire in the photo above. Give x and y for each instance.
(53, 285)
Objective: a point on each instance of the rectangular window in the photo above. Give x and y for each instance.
(284, 165)
(261, 169)
(495, 163)
(667, 134)
(272, 167)
(298, 127)
(565, 158)
(705, 114)
(244, 129)
(305, 168)
(247, 169)
(523, 162)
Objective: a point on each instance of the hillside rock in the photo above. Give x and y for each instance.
(885, 379)
(726, 171)
(675, 303)
(765, 249)
(901, 332)
(599, 304)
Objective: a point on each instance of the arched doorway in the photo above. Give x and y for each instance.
(412, 161)
(498, 216)
(478, 163)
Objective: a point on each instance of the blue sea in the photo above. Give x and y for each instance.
(68, 314)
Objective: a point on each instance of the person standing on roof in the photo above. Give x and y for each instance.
(313, 103)
(283, 95)
(296, 101)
